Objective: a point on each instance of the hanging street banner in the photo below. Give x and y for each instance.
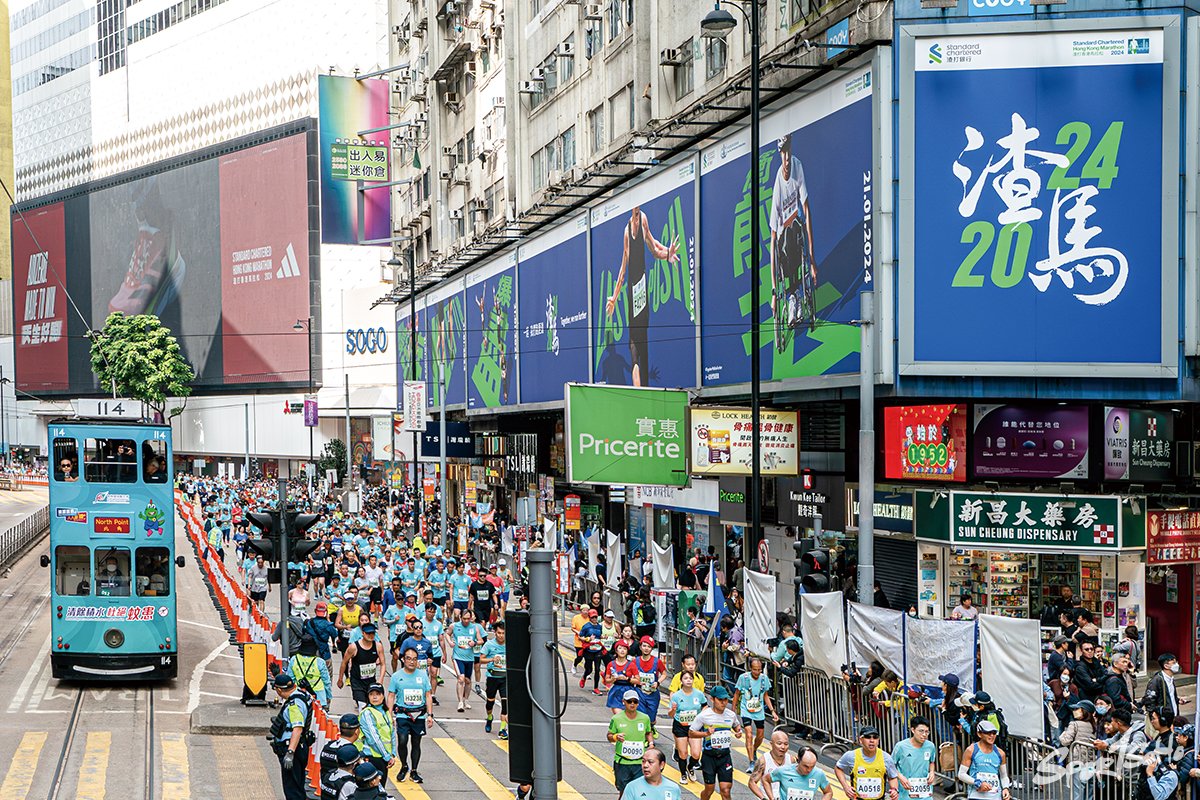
(621, 435)
(1042, 173)
(1045, 522)
(414, 406)
(1138, 444)
(722, 441)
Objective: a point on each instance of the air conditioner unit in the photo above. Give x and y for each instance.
(478, 204)
(670, 57)
(537, 74)
(445, 175)
(554, 179)
(566, 49)
(420, 88)
(450, 7)
(460, 174)
(452, 98)
(593, 11)
(423, 117)
(531, 87)
(472, 67)
(448, 152)
(456, 213)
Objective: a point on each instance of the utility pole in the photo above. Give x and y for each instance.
(866, 453)
(418, 489)
(543, 676)
(246, 465)
(284, 611)
(442, 454)
(349, 448)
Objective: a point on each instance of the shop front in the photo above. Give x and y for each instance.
(1014, 554)
(671, 517)
(895, 548)
(1173, 584)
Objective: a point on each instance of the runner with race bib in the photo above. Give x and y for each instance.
(686, 703)
(866, 771)
(631, 733)
(916, 759)
(717, 726)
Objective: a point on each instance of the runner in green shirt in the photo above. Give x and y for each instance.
(916, 759)
(630, 731)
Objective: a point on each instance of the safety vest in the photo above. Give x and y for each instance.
(384, 723)
(309, 672)
(869, 776)
(281, 729)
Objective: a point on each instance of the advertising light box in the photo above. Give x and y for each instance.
(925, 443)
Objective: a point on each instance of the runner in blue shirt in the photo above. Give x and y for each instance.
(435, 632)
(750, 693)
(411, 696)
(804, 781)
(460, 589)
(686, 703)
(465, 635)
(916, 760)
(439, 582)
(653, 785)
(493, 657)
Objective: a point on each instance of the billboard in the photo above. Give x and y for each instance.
(40, 298)
(553, 312)
(816, 238)
(491, 301)
(348, 106)
(1030, 442)
(925, 443)
(722, 441)
(446, 337)
(1040, 236)
(643, 283)
(1138, 445)
(406, 359)
(622, 435)
(264, 262)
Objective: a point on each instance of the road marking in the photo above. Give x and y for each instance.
(95, 764)
(222, 696)
(487, 783)
(239, 676)
(175, 781)
(408, 790)
(23, 690)
(204, 625)
(20, 774)
(565, 790)
(464, 721)
(198, 672)
(241, 772)
(600, 767)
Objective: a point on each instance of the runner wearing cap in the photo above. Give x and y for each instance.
(716, 725)
(609, 633)
(504, 575)
(870, 770)
(649, 670)
(363, 665)
(593, 651)
(350, 618)
(984, 767)
(632, 733)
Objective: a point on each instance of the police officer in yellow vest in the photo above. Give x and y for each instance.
(867, 772)
(378, 731)
(290, 736)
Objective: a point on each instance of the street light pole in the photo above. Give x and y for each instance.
(412, 357)
(310, 391)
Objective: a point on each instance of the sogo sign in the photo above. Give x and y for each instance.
(370, 340)
(622, 435)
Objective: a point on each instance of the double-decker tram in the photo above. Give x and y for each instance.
(112, 551)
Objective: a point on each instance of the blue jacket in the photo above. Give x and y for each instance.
(322, 630)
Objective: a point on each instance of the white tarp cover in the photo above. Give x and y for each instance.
(876, 634)
(613, 560)
(593, 551)
(506, 540)
(664, 571)
(938, 646)
(760, 611)
(823, 629)
(1010, 652)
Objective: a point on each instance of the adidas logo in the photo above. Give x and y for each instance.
(288, 267)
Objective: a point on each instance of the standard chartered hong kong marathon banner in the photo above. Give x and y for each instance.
(622, 435)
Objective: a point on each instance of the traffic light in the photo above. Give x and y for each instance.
(268, 523)
(298, 546)
(812, 568)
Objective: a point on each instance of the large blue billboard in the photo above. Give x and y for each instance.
(491, 301)
(643, 283)
(553, 309)
(815, 238)
(1042, 218)
(445, 337)
(404, 343)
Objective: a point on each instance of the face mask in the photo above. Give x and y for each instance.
(1175, 668)
(1101, 709)
(111, 567)
(1065, 678)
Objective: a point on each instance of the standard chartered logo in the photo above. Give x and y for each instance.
(637, 448)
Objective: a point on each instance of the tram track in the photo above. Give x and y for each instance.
(72, 732)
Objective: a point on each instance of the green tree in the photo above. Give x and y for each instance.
(137, 357)
(333, 457)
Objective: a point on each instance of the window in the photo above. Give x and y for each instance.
(685, 71)
(537, 175)
(716, 54)
(566, 63)
(112, 572)
(72, 575)
(460, 223)
(470, 140)
(619, 15)
(66, 460)
(154, 461)
(568, 148)
(153, 577)
(593, 38)
(595, 120)
(550, 73)
(620, 112)
(110, 461)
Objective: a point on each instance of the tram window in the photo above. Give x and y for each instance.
(66, 460)
(112, 572)
(71, 571)
(153, 577)
(110, 461)
(154, 461)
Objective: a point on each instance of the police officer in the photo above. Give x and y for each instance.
(339, 784)
(349, 733)
(290, 736)
(378, 730)
(368, 781)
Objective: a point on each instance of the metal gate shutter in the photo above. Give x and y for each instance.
(896, 570)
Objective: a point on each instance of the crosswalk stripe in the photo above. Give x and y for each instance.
(408, 790)
(241, 771)
(20, 774)
(92, 772)
(175, 781)
(604, 770)
(565, 790)
(486, 782)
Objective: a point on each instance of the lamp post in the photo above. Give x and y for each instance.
(716, 25)
(3, 416)
(306, 325)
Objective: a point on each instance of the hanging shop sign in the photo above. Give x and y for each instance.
(801, 499)
(1172, 537)
(722, 441)
(572, 512)
(1138, 444)
(1029, 521)
(893, 509)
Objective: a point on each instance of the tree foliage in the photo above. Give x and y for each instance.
(333, 457)
(139, 358)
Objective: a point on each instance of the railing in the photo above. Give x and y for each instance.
(14, 540)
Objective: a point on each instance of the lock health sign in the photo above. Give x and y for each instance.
(1040, 227)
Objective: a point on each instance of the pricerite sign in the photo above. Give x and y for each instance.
(621, 435)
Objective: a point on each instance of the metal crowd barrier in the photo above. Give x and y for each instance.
(14, 540)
